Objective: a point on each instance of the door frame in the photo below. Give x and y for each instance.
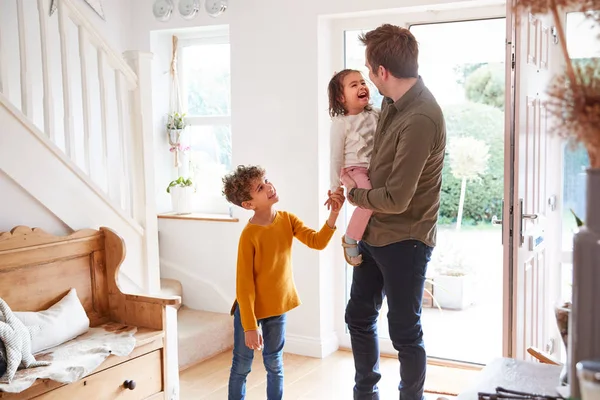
(508, 337)
(458, 12)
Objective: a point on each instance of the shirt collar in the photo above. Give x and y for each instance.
(408, 97)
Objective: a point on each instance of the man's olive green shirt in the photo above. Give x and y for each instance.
(405, 170)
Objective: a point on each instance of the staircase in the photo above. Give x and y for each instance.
(75, 132)
(201, 334)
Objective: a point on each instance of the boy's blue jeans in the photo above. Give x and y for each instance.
(396, 271)
(273, 330)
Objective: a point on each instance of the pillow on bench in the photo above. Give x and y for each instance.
(60, 323)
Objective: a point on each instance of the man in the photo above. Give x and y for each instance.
(406, 175)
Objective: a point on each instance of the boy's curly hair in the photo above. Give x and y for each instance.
(238, 184)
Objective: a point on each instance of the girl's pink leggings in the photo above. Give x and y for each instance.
(359, 177)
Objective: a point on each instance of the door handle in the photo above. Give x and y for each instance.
(530, 217)
(498, 221)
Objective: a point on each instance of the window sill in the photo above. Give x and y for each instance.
(199, 217)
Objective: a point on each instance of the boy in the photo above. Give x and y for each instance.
(265, 289)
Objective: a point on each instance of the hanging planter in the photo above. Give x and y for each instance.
(176, 118)
(175, 127)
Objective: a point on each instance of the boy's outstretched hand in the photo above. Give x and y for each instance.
(335, 200)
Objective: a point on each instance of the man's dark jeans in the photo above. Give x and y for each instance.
(398, 272)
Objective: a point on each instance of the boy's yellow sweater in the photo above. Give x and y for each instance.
(265, 284)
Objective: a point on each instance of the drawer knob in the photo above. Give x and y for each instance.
(129, 384)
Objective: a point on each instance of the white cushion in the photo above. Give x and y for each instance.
(62, 322)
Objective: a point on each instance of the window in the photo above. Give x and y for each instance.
(583, 46)
(355, 59)
(205, 71)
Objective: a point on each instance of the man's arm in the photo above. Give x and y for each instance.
(245, 290)
(412, 151)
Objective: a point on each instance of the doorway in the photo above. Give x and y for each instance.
(463, 63)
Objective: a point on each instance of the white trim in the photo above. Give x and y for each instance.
(310, 346)
(430, 16)
(204, 40)
(201, 32)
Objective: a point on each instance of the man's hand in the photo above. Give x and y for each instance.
(254, 340)
(350, 198)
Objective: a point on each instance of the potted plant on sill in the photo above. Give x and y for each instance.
(181, 191)
(453, 280)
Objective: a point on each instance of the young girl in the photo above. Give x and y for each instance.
(353, 125)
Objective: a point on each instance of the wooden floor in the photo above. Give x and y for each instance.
(308, 378)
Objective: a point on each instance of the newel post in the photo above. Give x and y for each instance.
(144, 195)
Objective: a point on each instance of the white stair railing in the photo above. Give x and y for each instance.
(85, 97)
(93, 125)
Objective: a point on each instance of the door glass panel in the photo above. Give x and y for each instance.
(583, 45)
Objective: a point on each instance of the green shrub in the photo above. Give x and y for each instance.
(483, 198)
(485, 85)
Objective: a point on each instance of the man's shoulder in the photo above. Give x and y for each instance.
(427, 104)
(424, 108)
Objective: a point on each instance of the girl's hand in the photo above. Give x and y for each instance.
(336, 199)
(254, 340)
(329, 201)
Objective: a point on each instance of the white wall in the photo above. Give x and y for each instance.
(279, 70)
(19, 208)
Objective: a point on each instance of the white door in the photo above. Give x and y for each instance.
(533, 225)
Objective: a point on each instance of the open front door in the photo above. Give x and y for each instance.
(530, 198)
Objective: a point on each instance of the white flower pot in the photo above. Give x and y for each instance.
(453, 292)
(181, 199)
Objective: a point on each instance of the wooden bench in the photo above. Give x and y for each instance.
(37, 269)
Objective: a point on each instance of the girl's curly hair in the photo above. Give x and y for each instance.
(238, 184)
(335, 89)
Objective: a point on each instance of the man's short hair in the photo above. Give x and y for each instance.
(393, 48)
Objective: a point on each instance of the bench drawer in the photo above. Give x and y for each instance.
(144, 371)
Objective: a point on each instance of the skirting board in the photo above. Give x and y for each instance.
(310, 346)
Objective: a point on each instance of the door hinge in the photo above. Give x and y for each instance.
(514, 62)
